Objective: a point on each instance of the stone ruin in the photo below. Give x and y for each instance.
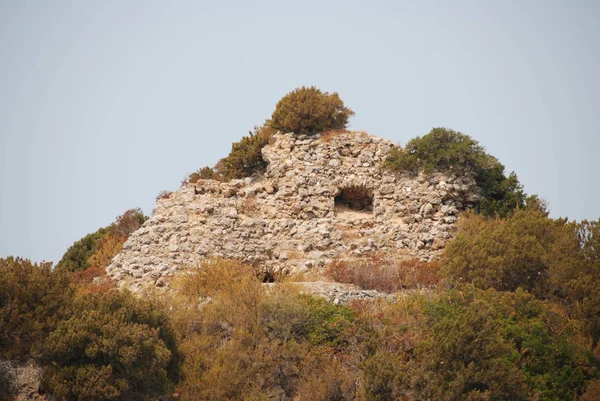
(321, 198)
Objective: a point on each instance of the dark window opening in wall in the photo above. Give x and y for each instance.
(355, 198)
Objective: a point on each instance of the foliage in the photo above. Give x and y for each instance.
(502, 253)
(33, 300)
(470, 344)
(245, 158)
(205, 173)
(384, 274)
(249, 343)
(444, 149)
(86, 250)
(575, 273)
(491, 345)
(310, 111)
(108, 247)
(114, 346)
(165, 194)
(76, 257)
(129, 222)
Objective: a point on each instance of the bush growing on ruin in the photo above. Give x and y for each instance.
(245, 158)
(310, 111)
(443, 149)
(205, 173)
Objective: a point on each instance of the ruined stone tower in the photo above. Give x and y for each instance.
(321, 198)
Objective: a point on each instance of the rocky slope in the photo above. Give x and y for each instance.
(321, 198)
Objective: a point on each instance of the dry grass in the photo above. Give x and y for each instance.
(329, 135)
(302, 277)
(384, 274)
(348, 232)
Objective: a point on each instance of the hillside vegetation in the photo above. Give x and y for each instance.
(511, 310)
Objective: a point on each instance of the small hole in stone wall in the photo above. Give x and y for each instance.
(355, 198)
(266, 277)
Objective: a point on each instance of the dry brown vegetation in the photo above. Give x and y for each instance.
(383, 274)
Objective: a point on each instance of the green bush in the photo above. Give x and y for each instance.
(76, 257)
(502, 253)
(245, 158)
(493, 345)
(310, 111)
(470, 344)
(574, 274)
(443, 149)
(114, 347)
(33, 300)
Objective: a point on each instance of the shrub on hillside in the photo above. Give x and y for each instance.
(502, 253)
(78, 256)
(115, 346)
(244, 341)
(470, 344)
(574, 275)
(491, 345)
(443, 149)
(310, 111)
(33, 300)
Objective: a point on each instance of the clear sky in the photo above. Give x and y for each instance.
(105, 103)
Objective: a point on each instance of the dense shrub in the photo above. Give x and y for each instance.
(502, 253)
(310, 111)
(245, 158)
(33, 300)
(470, 344)
(444, 149)
(78, 256)
(247, 342)
(303, 111)
(491, 345)
(574, 274)
(114, 347)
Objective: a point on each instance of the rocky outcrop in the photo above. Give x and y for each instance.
(321, 198)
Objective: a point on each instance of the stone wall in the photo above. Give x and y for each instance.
(321, 198)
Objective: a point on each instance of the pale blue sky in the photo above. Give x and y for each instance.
(105, 103)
